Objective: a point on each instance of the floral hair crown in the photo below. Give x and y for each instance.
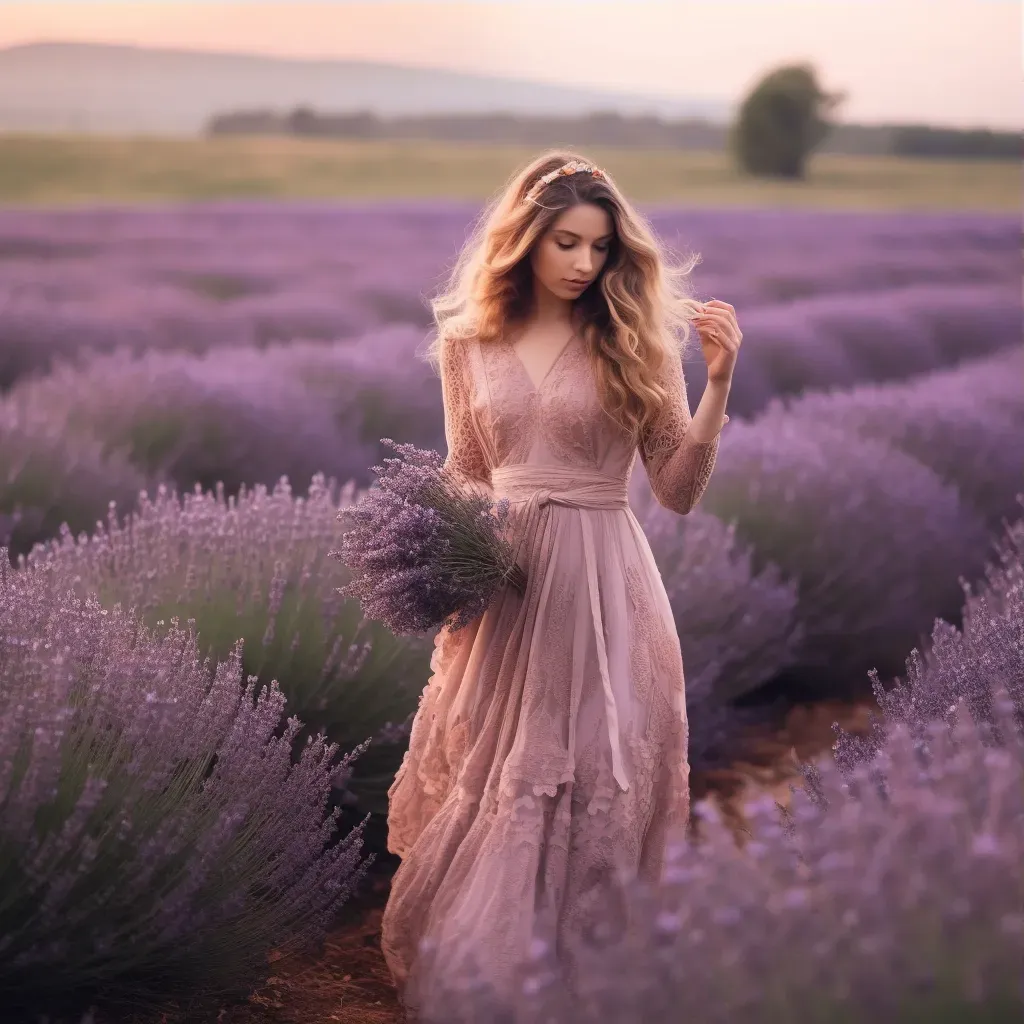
(572, 167)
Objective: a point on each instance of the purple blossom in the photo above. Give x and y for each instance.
(889, 889)
(49, 476)
(875, 539)
(158, 840)
(737, 626)
(422, 552)
(960, 666)
(829, 294)
(255, 567)
(963, 423)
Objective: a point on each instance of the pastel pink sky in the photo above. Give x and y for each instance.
(954, 62)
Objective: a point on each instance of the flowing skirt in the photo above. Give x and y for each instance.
(547, 757)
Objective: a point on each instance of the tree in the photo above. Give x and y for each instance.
(303, 121)
(781, 121)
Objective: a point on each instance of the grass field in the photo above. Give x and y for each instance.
(60, 170)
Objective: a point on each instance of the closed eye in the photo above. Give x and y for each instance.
(571, 245)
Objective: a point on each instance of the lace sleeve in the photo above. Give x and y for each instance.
(678, 468)
(466, 458)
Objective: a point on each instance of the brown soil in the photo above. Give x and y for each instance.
(349, 983)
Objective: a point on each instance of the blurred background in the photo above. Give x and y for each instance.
(220, 227)
(221, 223)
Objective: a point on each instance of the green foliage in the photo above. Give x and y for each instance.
(255, 568)
(923, 140)
(157, 837)
(780, 123)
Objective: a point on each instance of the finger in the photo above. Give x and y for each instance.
(726, 326)
(723, 310)
(712, 325)
(719, 316)
(720, 331)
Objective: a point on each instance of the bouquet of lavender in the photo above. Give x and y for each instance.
(423, 551)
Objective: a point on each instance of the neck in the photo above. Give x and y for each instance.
(549, 309)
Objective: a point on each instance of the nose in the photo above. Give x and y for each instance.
(584, 265)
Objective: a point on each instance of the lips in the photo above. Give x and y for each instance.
(577, 284)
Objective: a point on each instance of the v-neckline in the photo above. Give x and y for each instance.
(547, 373)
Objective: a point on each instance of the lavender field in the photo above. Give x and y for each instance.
(831, 296)
(163, 369)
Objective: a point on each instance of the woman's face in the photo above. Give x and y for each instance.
(572, 252)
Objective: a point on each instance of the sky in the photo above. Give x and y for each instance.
(950, 62)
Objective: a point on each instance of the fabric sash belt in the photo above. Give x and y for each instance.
(575, 487)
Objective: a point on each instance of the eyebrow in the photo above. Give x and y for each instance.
(603, 238)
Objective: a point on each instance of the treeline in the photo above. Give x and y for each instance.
(609, 129)
(924, 140)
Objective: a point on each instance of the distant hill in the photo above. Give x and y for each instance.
(113, 89)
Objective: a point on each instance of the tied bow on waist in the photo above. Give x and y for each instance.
(575, 487)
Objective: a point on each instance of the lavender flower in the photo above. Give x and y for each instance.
(49, 476)
(156, 839)
(875, 539)
(963, 423)
(422, 551)
(961, 666)
(859, 909)
(738, 628)
(889, 890)
(826, 293)
(254, 566)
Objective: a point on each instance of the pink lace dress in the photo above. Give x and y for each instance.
(550, 744)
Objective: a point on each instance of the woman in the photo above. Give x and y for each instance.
(549, 751)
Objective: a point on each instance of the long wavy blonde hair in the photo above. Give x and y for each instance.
(636, 314)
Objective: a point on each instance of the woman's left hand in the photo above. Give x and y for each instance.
(720, 338)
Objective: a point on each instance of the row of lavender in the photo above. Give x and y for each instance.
(159, 321)
(853, 514)
(831, 536)
(889, 890)
(160, 836)
(161, 829)
(81, 435)
(830, 297)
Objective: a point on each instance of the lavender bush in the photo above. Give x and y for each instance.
(875, 539)
(244, 416)
(738, 628)
(236, 416)
(255, 567)
(831, 340)
(965, 424)
(903, 907)
(738, 625)
(422, 552)
(889, 890)
(890, 294)
(156, 840)
(48, 477)
(960, 667)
